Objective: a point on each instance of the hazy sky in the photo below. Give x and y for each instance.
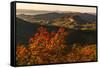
(44, 7)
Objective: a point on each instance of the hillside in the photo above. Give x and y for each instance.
(25, 30)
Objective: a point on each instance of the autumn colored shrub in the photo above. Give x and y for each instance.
(22, 54)
(82, 53)
(74, 54)
(44, 45)
(88, 53)
(47, 47)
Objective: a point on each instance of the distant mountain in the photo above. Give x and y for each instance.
(54, 15)
(68, 20)
(87, 17)
(30, 12)
(49, 16)
(28, 18)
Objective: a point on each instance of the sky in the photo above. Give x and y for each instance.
(44, 7)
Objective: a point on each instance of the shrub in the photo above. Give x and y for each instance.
(47, 47)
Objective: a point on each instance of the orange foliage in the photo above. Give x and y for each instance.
(88, 53)
(22, 54)
(50, 47)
